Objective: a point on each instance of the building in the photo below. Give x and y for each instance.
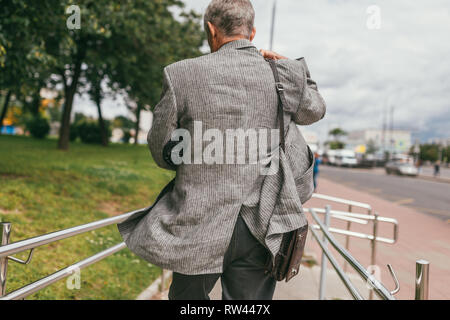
(441, 141)
(396, 141)
(311, 138)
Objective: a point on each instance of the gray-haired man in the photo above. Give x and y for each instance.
(222, 220)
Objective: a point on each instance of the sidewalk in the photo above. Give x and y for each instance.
(428, 174)
(420, 237)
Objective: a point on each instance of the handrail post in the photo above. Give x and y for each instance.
(323, 262)
(347, 238)
(422, 279)
(161, 287)
(5, 231)
(373, 257)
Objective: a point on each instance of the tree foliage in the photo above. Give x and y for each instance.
(337, 133)
(121, 48)
(433, 152)
(336, 144)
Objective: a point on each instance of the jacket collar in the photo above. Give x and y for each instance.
(237, 44)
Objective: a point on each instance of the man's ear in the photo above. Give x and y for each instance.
(252, 36)
(212, 29)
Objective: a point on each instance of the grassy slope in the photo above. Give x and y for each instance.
(43, 190)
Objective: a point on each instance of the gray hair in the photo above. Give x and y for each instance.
(231, 17)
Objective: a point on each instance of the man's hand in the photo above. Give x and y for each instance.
(271, 55)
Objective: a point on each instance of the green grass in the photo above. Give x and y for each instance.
(43, 190)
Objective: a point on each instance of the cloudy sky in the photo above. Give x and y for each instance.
(363, 70)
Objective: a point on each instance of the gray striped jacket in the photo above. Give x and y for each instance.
(188, 230)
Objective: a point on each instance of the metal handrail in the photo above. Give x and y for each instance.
(351, 288)
(343, 201)
(38, 241)
(33, 287)
(8, 249)
(351, 204)
(379, 289)
(346, 216)
(356, 215)
(362, 217)
(357, 234)
(422, 279)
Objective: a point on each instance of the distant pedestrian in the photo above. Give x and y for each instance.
(316, 169)
(419, 166)
(437, 168)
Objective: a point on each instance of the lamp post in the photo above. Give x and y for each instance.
(416, 152)
(272, 28)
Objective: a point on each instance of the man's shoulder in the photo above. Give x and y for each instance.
(189, 65)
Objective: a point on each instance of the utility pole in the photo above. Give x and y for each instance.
(383, 133)
(272, 28)
(392, 131)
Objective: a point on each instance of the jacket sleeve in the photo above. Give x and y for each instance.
(312, 107)
(165, 121)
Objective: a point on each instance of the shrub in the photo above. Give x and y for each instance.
(38, 127)
(89, 132)
(73, 132)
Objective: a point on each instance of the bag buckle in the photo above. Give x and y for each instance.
(279, 86)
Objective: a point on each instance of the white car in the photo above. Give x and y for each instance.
(401, 168)
(346, 158)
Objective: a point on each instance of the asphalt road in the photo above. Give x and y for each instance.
(429, 197)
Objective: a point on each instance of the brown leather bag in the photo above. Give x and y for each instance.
(287, 262)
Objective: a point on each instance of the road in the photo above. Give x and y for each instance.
(429, 197)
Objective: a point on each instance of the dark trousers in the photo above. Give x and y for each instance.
(243, 276)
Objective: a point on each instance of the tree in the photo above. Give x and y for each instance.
(335, 145)
(22, 56)
(123, 44)
(134, 40)
(96, 75)
(429, 152)
(337, 133)
(168, 41)
(371, 147)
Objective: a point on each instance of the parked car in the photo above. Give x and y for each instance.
(329, 158)
(340, 158)
(346, 158)
(401, 168)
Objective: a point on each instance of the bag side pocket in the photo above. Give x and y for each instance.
(305, 183)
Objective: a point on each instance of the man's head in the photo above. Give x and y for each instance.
(228, 20)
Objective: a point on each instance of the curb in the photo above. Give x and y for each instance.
(429, 178)
(153, 289)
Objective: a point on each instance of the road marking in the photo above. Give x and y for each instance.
(404, 201)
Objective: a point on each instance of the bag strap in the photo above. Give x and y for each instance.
(281, 101)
